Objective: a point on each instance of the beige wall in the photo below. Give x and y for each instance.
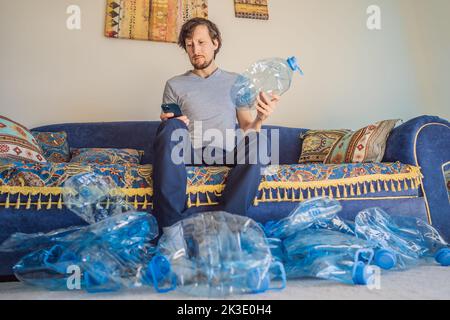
(354, 76)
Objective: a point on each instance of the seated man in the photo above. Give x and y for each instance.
(203, 95)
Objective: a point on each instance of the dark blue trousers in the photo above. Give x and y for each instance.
(170, 178)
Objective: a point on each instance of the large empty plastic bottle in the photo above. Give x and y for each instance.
(110, 255)
(216, 254)
(272, 76)
(93, 197)
(407, 239)
(329, 255)
(321, 212)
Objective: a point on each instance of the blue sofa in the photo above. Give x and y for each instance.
(410, 181)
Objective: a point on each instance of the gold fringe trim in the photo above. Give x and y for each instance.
(55, 197)
(56, 191)
(18, 202)
(49, 203)
(38, 205)
(28, 203)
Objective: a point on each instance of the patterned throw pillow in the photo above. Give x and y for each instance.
(317, 144)
(17, 143)
(365, 145)
(54, 145)
(105, 156)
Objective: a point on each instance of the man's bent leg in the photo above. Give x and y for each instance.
(169, 177)
(244, 179)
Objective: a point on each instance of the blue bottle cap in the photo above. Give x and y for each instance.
(52, 255)
(385, 259)
(443, 257)
(293, 63)
(363, 274)
(256, 283)
(160, 267)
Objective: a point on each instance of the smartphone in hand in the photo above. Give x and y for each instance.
(172, 108)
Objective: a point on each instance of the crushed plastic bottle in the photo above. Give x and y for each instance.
(406, 239)
(321, 212)
(331, 255)
(93, 197)
(110, 255)
(216, 254)
(272, 76)
(21, 242)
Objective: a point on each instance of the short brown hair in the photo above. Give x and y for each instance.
(189, 26)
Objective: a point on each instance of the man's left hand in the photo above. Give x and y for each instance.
(265, 105)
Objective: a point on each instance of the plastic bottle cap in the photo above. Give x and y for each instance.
(363, 274)
(293, 63)
(160, 266)
(255, 283)
(385, 259)
(53, 255)
(443, 257)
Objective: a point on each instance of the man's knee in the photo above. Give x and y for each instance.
(171, 125)
(255, 148)
(167, 129)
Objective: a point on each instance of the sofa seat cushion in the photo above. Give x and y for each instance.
(39, 185)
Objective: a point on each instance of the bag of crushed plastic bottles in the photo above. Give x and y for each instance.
(216, 254)
(320, 213)
(329, 254)
(272, 76)
(94, 197)
(408, 239)
(109, 255)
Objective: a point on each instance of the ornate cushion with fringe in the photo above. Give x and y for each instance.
(39, 185)
(317, 144)
(365, 145)
(105, 156)
(17, 143)
(54, 145)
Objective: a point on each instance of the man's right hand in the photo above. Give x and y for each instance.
(167, 116)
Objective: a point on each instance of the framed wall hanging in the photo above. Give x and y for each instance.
(154, 20)
(252, 9)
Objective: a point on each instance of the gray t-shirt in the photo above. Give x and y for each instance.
(205, 100)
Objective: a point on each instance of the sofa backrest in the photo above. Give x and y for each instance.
(140, 135)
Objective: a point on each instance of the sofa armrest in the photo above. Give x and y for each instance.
(425, 142)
